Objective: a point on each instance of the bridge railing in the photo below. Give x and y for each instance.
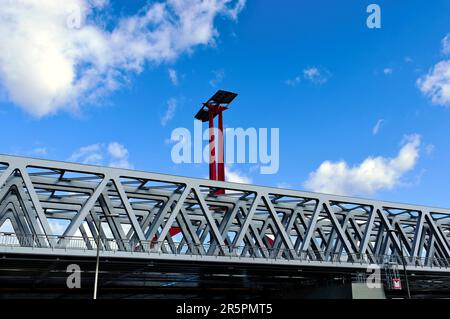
(228, 251)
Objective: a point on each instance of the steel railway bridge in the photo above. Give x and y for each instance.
(160, 231)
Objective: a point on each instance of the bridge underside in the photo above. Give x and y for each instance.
(44, 277)
(199, 239)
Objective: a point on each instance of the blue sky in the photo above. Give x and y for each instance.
(311, 68)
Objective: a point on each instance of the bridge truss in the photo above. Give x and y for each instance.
(54, 208)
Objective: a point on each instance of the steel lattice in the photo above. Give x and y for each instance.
(170, 217)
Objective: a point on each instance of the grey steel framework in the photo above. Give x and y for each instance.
(176, 218)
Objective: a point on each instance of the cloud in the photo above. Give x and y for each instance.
(219, 75)
(35, 152)
(114, 155)
(233, 12)
(293, 82)
(370, 176)
(446, 44)
(117, 150)
(40, 151)
(118, 156)
(235, 176)
(436, 84)
(388, 71)
(170, 112)
(312, 74)
(316, 75)
(376, 129)
(57, 55)
(90, 154)
(429, 149)
(173, 77)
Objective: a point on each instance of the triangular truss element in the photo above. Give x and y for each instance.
(69, 206)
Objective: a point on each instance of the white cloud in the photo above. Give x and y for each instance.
(429, 149)
(117, 150)
(90, 154)
(113, 154)
(233, 12)
(316, 75)
(40, 151)
(219, 75)
(293, 82)
(35, 152)
(119, 156)
(121, 163)
(235, 176)
(446, 44)
(56, 55)
(388, 71)
(370, 176)
(376, 129)
(170, 112)
(436, 84)
(173, 77)
(312, 74)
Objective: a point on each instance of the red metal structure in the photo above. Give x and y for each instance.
(211, 109)
(214, 107)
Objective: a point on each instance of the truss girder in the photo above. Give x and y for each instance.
(58, 205)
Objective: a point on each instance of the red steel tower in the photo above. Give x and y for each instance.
(214, 107)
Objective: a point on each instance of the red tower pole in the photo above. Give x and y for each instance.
(221, 165)
(215, 106)
(212, 146)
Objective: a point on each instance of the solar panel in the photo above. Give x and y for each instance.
(220, 98)
(223, 97)
(203, 115)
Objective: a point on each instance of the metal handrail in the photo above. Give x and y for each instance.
(183, 248)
